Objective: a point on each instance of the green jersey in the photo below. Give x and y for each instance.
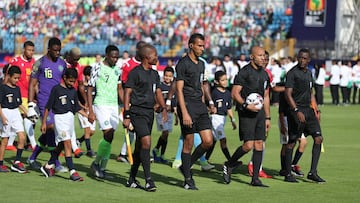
(105, 79)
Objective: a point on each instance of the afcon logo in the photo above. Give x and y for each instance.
(315, 5)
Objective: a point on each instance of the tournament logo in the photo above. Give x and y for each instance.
(315, 13)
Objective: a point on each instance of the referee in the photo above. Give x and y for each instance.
(192, 111)
(302, 119)
(253, 122)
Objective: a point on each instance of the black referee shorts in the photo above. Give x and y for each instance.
(199, 115)
(310, 127)
(251, 125)
(142, 119)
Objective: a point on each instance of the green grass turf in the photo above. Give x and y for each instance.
(338, 166)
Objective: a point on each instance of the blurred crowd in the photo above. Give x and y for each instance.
(234, 25)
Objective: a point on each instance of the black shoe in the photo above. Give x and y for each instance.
(91, 154)
(257, 183)
(295, 169)
(96, 169)
(290, 178)
(133, 183)
(189, 184)
(315, 177)
(282, 172)
(227, 170)
(150, 186)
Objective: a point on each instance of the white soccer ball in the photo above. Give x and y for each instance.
(255, 98)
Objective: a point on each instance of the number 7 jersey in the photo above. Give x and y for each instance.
(106, 80)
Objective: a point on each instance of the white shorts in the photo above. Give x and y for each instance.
(84, 123)
(107, 116)
(218, 123)
(168, 125)
(64, 127)
(284, 138)
(15, 122)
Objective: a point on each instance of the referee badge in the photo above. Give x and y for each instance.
(201, 77)
(265, 84)
(154, 88)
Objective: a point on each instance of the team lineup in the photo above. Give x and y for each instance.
(55, 89)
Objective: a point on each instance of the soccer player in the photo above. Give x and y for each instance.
(46, 73)
(223, 103)
(71, 60)
(302, 119)
(105, 77)
(253, 122)
(89, 128)
(11, 121)
(192, 110)
(25, 63)
(126, 68)
(64, 103)
(142, 91)
(165, 128)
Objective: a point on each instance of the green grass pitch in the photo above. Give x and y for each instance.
(338, 165)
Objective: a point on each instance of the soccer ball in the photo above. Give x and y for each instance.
(255, 98)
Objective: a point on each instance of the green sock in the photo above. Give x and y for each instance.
(103, 163)
(103, 150)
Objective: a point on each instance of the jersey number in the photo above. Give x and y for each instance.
(106, 78)
(48, 73)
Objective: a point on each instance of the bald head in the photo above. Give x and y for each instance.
(148, 55)
(257, 56)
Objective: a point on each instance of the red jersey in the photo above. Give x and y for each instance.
(127, 67)
(25, 67)
(270, 74)
(80, 70)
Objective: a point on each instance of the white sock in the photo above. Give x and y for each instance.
(73, 142)
(11, 140)
(29, 130)
(132, 138)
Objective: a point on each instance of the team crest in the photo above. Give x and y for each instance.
(63, 134)
(60, 68)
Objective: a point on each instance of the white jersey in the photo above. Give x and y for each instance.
(345, 75)
(320, 80)
(335, 75)
(356, 74)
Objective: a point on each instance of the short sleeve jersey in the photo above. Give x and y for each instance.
(79, 69)
(48, 73)
(63, 100)
(193, 75)
(301, 82)
(127, 67)
(105, 79)
(25, 67)
(10, 97)
(143, 84)
(165, 91)
(252, 81)
(222, 101)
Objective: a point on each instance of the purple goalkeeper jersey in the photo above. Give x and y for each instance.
(48, 73)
